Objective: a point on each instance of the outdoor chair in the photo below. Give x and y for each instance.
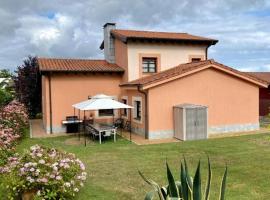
(119, 123)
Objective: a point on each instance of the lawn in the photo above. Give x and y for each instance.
(113, 167)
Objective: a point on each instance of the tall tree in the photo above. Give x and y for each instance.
(27, 82)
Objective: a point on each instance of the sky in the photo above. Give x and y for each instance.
(73, 28)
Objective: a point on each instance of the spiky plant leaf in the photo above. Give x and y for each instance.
(208, 183)
(179, 187)
(197, 193)
(188, 178)
(184, 186)
(154, 185)
(149, 195)
(164, 192)
(223, 185)
(172, 186)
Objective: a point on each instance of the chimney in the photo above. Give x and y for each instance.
(109, 49)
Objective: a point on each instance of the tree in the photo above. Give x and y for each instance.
(6, 87)
(27, 82)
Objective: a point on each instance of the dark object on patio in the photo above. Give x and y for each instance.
(127, 126)
(72, 124)
(119, 123)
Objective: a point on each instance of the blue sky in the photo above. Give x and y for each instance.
(68, 28)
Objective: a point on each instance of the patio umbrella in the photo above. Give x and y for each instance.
(101, 102)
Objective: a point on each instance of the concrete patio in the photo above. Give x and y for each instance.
(37, 131)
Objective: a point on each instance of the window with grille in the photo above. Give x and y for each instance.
(125, 110)
(137, 110)
(149, 65)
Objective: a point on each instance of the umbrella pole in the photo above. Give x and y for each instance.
(130, 126)
(79, 132)
(84, 129)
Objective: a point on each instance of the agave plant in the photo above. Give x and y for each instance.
(186, 188)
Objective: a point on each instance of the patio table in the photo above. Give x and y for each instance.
(100, 128)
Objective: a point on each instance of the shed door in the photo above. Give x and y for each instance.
(191, 124)
(201, 123)
(196, 123)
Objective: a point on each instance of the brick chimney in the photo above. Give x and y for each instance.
(109, 49)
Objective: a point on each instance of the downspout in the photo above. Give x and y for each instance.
(145, 111)
(50, 102)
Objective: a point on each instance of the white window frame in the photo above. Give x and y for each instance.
(115, 112)
(125, 98)
(134, 111)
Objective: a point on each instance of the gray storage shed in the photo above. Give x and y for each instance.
(190, 122)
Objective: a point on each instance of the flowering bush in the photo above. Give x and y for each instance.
(13, 121)
(49, 173)
(14, 116)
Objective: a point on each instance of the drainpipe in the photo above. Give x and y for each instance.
(146, 125)
(50, 102)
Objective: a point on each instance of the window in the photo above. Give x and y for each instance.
(125, 110)
(195, 59)
(137, 110)
(149, 65)
(107, 112)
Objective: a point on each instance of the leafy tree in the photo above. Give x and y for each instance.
(6, 87)
(27, 84)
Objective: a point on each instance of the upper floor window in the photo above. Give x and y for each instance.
(195, 59)
(149, 65)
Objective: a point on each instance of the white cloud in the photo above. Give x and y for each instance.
(68, 28)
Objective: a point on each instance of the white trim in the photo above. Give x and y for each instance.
(125, 98)
(96, 114)
(137, 98)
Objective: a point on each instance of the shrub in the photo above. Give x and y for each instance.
(14, 115)
(13, 121)
(187, 188)
(49, 173)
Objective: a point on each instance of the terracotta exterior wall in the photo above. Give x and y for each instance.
(45, 100)
(231, 101)
(121, 57)
(68, 89)
(130, 95)
(171, 55)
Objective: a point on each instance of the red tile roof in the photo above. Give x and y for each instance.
(182, 69)
(261, 75)
(133, 34)
(77, 65)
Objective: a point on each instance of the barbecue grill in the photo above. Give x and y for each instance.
(72, 123)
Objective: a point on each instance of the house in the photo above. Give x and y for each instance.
(152, 71)
(264, 93)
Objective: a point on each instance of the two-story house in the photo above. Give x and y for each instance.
(152, 71)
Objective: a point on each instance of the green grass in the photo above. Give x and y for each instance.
(113, 167)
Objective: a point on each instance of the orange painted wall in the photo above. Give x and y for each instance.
(68, 89)
(230, 100)
(134, 93)
(45, 100)
(121, 57)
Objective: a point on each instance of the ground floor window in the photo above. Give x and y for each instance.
(107, 112)
(125, 110)
(137, 110)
